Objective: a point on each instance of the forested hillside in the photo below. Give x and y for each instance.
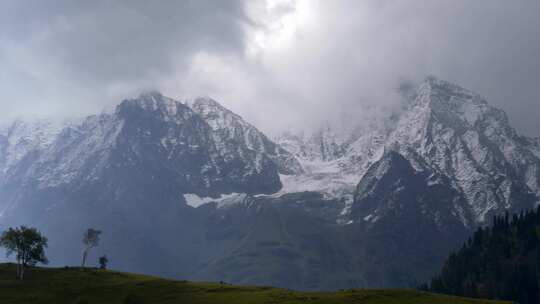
(500, 262)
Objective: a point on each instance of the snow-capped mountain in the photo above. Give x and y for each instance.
(455, 132)
(460, 135)
(216, 199)
(231, 133)
(208, 149)
(132, 171)
(427, 175)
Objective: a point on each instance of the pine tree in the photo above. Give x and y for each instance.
(499, 262)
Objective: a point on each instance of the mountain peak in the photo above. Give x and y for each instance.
(450, 104)
(437, 91)
(437, 83)
(208, 107)
(154, 101)
(456, 131)
(207, 100)
(231, 129)
(217, 116)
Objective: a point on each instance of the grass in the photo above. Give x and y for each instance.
(91, 286)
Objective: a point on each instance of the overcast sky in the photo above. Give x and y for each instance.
(279, 64)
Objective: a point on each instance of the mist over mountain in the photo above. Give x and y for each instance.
(188, 189)
(280, 64)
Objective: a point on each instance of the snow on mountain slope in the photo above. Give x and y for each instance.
(23, 137)
(80, 151)
(208, 152)
(461, 136)
(325, 177)
(324, 144)
(225, 200)
(453, 130)
(394, 184)
(232, 133)
(534, 145)
(334, 159)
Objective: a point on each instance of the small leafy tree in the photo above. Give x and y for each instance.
(90, 240)
(103, 262)
(28, 245)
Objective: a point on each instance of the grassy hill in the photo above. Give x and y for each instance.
(77, 286)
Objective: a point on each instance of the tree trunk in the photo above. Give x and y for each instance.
(85, 254)
(22, 272)
(18, 268)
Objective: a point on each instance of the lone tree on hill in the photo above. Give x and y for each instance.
(90, 240)
(28, 245)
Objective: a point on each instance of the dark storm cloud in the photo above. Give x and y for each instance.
(109, 40)
(59, 49)
(276, 62)
(359, 51)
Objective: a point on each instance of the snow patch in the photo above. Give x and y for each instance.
(320, 176)
(371, 218)
(223, 201)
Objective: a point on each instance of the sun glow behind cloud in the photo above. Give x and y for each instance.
(278, 25)
(276, 62)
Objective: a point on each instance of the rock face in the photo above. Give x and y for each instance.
(458, 134)
(236, 138)
(394, 197)
(126, 172)
(375, 205)
(453, 132)
(151, 136)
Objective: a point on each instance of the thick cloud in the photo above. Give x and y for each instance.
(279, 63)
(67, 56)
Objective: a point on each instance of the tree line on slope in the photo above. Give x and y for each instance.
(497, 262)
(28, 245)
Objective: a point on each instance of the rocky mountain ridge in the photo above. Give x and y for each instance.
(216, 199)
(456, 133)
(59, 154)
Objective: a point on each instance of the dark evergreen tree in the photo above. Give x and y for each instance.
(499, 262)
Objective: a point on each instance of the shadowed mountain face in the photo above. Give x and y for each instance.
(126, 172)
(377, 206)
(394, 197)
